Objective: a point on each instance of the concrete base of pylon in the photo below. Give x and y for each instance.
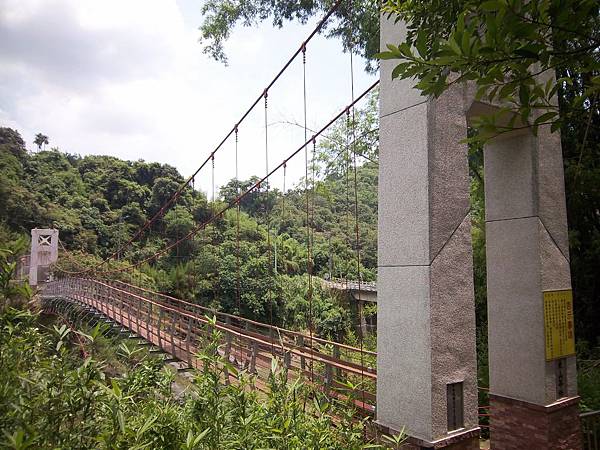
(459, 440)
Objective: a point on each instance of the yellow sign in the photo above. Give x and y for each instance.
(559, 324)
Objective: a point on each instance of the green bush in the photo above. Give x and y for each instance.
(50, 398)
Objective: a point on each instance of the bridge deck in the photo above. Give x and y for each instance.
(181, 328)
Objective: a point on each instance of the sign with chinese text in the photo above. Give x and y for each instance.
(559, 324)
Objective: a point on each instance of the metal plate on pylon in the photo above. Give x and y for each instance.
(559, 326)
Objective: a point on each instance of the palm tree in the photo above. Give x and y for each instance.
(41, 139)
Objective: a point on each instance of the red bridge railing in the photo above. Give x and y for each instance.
(179, 328)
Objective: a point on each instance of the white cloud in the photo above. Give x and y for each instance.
(80, 44)
(128, 78)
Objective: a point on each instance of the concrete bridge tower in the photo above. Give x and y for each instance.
(44, 252)
(427, 363)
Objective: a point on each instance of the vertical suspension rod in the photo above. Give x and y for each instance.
(237, 233)
(356, 224)
(268, 219)
(308, 216)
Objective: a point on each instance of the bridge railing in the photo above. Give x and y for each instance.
(180, 329)
(590, 428)
(353, 285)
(353, 353)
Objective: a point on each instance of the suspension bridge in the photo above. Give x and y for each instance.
(424, 373)
(178, 328)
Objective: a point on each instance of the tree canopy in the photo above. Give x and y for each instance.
(98, 203)
(41, 139)
(355, 22)
(519, 53)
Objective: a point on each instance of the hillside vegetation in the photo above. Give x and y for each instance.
(99, 202)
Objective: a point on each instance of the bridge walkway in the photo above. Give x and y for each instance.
(181, 328)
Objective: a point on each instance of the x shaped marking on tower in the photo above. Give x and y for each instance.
(44, 239)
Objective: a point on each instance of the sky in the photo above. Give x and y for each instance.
(128, 78)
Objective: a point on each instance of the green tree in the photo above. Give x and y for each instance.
(11, 292)
(356, 133)
(253, 202)
(12, 142)
(18, 204)
(178, 224)
(162, 190)
(355, 22)
(41, 139)
(512, 50)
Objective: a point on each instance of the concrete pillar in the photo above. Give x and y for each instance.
(44, 252)
(426, 376)
(527, 254)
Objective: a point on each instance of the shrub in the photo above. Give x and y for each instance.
(51, 398)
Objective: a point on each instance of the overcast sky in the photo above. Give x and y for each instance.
(128, 78)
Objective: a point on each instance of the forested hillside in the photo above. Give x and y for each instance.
(99, 202)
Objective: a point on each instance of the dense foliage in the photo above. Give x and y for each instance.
(519, 53)
(98, 203)
(52, 398)
(356, 23)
